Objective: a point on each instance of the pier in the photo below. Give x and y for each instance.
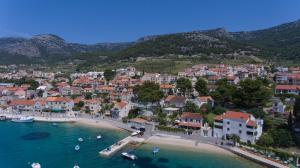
(120, 144)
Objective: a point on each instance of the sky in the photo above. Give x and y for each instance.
(92, 21)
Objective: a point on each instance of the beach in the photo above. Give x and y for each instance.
(96, 123)
(187, 144)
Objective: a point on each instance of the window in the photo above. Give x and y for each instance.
(240, 131)
(240, 125)
(228, 122)
(228, 129)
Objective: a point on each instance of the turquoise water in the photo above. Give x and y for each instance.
(52, 146)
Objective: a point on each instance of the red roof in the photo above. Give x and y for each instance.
(287, 87)
(191, 115)
(57, 99)
(138, 120)
(294, 75)
(189, 124)
(233, 115)
(22, 102)
(251, 123)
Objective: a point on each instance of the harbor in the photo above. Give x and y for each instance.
(121, 144)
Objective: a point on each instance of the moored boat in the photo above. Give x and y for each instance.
(2, 118)
(80, 139)
(76, 166)
(77, 148)
(36, 165)
(155, 150)
(128, 156)
(98, 137)
(25, 119)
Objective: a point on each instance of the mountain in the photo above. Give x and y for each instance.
(281, 42)
(284, 39)
(275, 43)
(47, 47)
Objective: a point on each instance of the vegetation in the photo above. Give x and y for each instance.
(189, 106)
(33, 84)
(184, 85)
(109, 74)
(133, 113)
(201, 87)
(148, 92)
(169, 129)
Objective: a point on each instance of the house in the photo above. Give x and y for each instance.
(22, 105)
(167, 88)
(120, 110)
(137, 123)
(189, 120)
(244, 125)
(278, 106)
(92, 105)
(200, 101)
(294, 79)
(59, 104)
(170, 110)
(287, 89)
(177, 101)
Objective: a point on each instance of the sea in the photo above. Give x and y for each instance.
(52, 146)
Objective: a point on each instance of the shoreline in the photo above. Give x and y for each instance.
(191, 145)
(96, 123)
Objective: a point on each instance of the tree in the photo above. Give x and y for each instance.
(80, 104)
(282, 137)
(88, 96)
(252, 93)
(148, 92)
(257, 112)
(133, 113)
(296, 112)
(224, 92)
(265, 140)
(191, 107)
(109, 74)
(201, 87)
(184, 85)
(235, 138)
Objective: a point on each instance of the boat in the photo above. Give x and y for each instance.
(155, 150)
(129, 156)
(136, 133)
(76, 166)
(36, 165)
(25, 119)
(2, 118)
(99, 137)
(80, 139)
(77, 147)
(55, 124)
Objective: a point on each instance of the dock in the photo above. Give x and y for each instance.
(120, 144)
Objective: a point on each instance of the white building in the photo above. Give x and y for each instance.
(244, 125)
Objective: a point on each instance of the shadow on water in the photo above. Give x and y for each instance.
(146, 162)
(163, 160)
(35, 136)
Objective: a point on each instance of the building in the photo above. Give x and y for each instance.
(189, 120)
(22, 105)
(244, 125)
(59, 104)
(287, 89)
(200, 101)
(177, 101)
(278, 106)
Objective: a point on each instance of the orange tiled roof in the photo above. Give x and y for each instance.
(233, 115)
(57, 99)
(139, 120)
(190, 124)
(287, 87)
(191, 115)
(22, 102)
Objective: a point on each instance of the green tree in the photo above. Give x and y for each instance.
(282, 137)
(80, 104)
(252, 93)
(148, 92)
(88, 96)
(190, 107)
(109, 74)
(296, 111)
(133, 113)
(257, 112)
(224, 92)
(265, 140)
(201, 87)
(184, 85)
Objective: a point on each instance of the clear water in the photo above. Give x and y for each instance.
(24, 143)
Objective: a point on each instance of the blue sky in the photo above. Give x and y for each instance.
(91, 21)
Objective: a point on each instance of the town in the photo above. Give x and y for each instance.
(255, 106)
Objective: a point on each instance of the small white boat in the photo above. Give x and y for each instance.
(155, 150)
(136, 133)
(25, 119)
(2, 118)
(77, 147)
(80, 139)
(76, 166)
(99, 137)
(36, 165)
(129, 156)
(55, 124)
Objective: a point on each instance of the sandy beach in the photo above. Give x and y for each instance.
(96, 123)
(184, 143)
